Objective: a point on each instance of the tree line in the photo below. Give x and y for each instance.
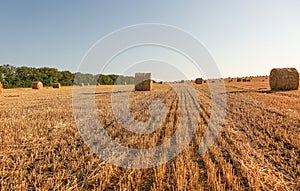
(16, 77)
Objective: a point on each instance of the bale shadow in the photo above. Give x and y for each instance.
(106, 93)
(256, 91)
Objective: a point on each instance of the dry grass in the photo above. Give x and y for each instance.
(258, 148)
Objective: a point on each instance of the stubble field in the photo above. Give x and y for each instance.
(257, 149)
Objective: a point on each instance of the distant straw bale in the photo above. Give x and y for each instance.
(56, 85)
(284, 79)
(143, 82)
(199, 80)
(1, 88)
(37, 85)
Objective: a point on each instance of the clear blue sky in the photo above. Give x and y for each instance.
(244, 37)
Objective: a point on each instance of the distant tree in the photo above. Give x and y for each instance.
(12, 77)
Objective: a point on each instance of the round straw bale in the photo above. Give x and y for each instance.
(143, 82)
(199, 80)
(37, 85)
(284, 79)
(56, 85)
(1, 88)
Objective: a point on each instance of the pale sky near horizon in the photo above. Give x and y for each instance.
(244, 37)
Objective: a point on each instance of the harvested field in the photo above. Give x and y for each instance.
(257, 149)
